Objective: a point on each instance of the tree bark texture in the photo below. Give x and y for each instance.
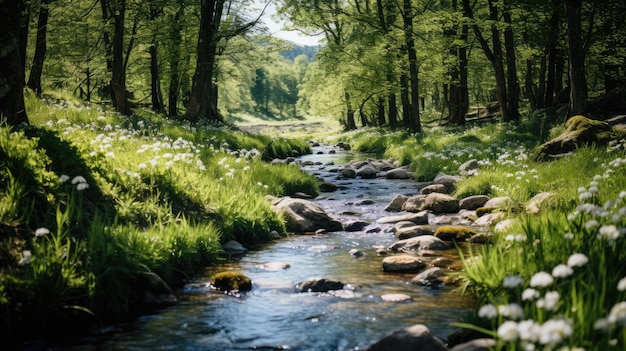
(513, 89)
(578, 83)
(407, 17)
(118, 74)
(201, 100)
(12, 109)
(458, 102)
(34, 79)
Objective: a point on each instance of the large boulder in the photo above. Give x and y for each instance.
(396, 203)
(435, 202)
(415, 230)
(414, 338)
(302, 216)
(433, 188)
(398, 173)
(231, 281)
(430, 277)
(473, 202)
(579, 131)
(417, 218)
(366, 172)
(469, 168)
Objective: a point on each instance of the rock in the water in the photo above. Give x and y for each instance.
(396, 203)
(433, 188)
(327, 187)
(403, 263)
(414, 338)
(356, 252)
(304, 216)
(395, 297)
(473, 202)
(475, 345)
(319, 285)
(398, 173)
(231, 281)
(274, 266)
(366, 172)
(417, 218)
(429, 277)
(415, 230)
(435, 202)
(153, 291)
(348, 172)
(233, 247)
(424, 242)
(355, 226)
(454, 233)
(469, 168)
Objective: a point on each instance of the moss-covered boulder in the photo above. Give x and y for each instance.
(454, 233)
(230, 281)
(579, 131)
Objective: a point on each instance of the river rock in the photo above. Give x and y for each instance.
(153, 291)
(454, 233)
(319, 285)
(398, 173)
(501, 202)
(395, 297)
(402, 224)
(417, 218)
(447, 180)
(366, 172)
(424, 242)
(435, 202)
(273, 266)
(343, 145)
(348, 172)
(433, 188)
(355, 226)
(442, 262)
(396, 203)
(489, 219)
(403, 263)
(414, 338)
(327, 187)
(233, 247)
(429, 277)
(231, 281)
(473, 202)
(302, 216)
(414, 230)
(469, 168)
(356, 253)
(504, 225)
(483, 344)
(540, 202)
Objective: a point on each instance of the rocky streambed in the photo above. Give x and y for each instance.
(372, 266)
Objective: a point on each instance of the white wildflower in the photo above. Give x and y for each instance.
(42, 231)
(528, 330)
(511, 310)
(27, 257)
(508, 331)
(577, 260)
(549, 301)
(562, 271)
(529, 294)
(555, 331)
(609, 232)
(618, 314)
(568, 236)
(78, 179)
(541, 279)
(64, 178)
(591, 224)
(621, 285)
(142, 166)
(602, 324)
(488, 311)
(82, 186)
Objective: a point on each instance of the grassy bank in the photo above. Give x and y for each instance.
(90, 200)
(555, 280)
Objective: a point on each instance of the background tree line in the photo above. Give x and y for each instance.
(188, 59)
(384, 62)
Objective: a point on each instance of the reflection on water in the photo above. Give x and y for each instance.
(274, 316)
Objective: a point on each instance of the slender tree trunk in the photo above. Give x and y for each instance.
(106, 38)
(24, 23)
(552, 49)
(12, 109)
(513, 89)
(458, 102)
(175, 39)
(578, 83)
(381, 110)
(118, 80)
(393, 110)
(34, 80)
(529, 85)
(404, 98)
(350, 123)
(200, 99)
(498, 62)
(407, 16)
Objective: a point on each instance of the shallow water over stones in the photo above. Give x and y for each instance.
(275, 316)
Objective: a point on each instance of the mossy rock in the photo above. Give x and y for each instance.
(481, 211)
(327, 187)
(579, 131)
(229, 281)
(454, 233)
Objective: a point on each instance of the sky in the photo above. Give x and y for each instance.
(276, 28)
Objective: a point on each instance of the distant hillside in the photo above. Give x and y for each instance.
(297, 49)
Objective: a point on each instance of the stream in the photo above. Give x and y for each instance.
(273, 316)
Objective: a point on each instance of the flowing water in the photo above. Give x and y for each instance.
(273, 316)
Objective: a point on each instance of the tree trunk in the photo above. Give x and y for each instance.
(34, 80)
(407, 17)
(157, 97)
(118, 76)
(200, 99)
(23, 23)
(12, 109)
(106, 38)
(381, 110)
(175, 39)
(350, 123)
(578, 83)
(513, 89)
(393, 110)
(552, 49)
(529, 85)
(404, 98)
(498, 62)
(458, 102)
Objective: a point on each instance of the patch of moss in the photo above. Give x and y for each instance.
(481, 211)
(229, 281)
